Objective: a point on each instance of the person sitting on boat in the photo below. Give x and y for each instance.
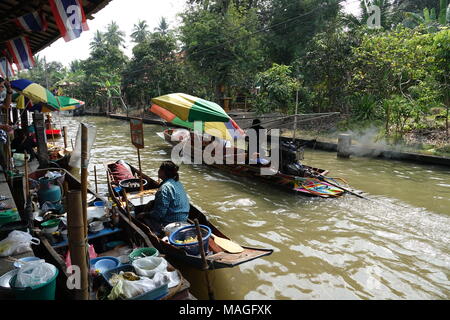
(171, 203)
(256, 125)
(48, 122)
(24, 142)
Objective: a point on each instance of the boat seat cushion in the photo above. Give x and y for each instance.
(120, 172)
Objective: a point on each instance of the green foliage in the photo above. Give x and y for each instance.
(221, 46)
(277, 89)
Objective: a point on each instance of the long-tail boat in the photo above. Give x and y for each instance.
(307, 181)
(218, 257)
(54, 250)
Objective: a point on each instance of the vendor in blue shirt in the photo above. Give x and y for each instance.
(171, 203)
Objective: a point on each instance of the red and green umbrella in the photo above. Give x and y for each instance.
(190, 108)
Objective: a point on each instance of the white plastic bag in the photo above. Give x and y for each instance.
(126, 289)
(17, 242)
(149, 266)
(171, 278)
(35, 273)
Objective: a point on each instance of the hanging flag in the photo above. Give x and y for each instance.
(6, 69)
(34, 21)
(21, 52)
(70, 18)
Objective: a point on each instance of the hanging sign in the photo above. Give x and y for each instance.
(137, 132)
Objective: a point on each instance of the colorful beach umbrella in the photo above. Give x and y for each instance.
(36, 93)
(224, 130)
(190, 108)
(68, 103)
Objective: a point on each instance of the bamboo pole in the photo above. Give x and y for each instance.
(65, 137)
(77, 241)
(95, 177)
(205, 263)
(140, 171)
(84, 173)
(27, 184)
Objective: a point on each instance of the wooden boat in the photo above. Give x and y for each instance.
(126, 231)
(218, 258)
(306, 183)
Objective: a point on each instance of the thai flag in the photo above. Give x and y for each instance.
(34, 21)
(6, 69)
(70, 18)
(21, 52)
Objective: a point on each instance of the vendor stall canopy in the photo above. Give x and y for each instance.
(11, 10)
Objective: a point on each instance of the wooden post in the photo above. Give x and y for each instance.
(38, 119)
(27, 184)
(77, 241)
(24, 121)
(65, 137)
(205, 263)
(343, 147)
(84, 174)
(95, 177)
(140, 171)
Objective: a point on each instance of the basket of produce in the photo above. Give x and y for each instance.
(131, 185)
(186, 238)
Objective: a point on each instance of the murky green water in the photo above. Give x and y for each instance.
(394, 247)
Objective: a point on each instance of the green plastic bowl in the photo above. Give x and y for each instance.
(142, 253)
(51, 223)
(7, 216)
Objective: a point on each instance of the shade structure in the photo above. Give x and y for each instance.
(190, 108)
(224, 130)
(36, 93)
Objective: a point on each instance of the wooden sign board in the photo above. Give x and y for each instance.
(137, 132)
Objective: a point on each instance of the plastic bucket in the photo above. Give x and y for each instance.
(188, 232)
(44, 291)
(143, 252)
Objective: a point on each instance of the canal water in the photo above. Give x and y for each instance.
(394, 246)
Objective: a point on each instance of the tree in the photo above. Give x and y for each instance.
(224, 48)
(98, 41)
(163, 26)
(114, 36)
(277, 89)
(140, 31)
(293, 23)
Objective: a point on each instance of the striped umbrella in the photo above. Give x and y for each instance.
(36, 93)
(68, 103)
(224, 130)
(190, 108)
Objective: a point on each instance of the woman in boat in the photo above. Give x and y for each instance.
(171, 203)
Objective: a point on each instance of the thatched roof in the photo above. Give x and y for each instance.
(11, 9)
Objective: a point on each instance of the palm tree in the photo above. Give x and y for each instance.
(98, 41)
(113, 36)
(140, 31)
(386, 14)
(163, 26)
(429, 18)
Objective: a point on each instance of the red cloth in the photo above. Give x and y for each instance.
(120, 172)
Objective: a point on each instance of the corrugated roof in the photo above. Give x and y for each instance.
(11, 9)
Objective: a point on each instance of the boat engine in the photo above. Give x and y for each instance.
(290, 159)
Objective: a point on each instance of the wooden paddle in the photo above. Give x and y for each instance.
(227, 245)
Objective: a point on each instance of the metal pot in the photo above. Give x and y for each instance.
(174, 226)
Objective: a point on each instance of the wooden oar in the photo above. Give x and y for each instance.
(227, 245)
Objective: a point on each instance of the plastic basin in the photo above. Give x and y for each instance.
(187, 232)
(44, 291)
(154, 294)
(143, 252)
(103, 264)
